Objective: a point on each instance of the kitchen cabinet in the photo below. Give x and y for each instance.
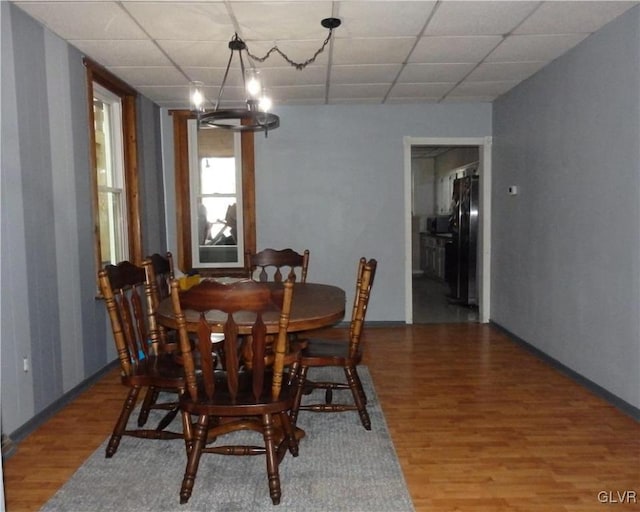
(432, 254)
(423, 251)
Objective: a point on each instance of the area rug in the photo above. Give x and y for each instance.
(341, 467)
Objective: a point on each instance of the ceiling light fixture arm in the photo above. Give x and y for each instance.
(236, 44)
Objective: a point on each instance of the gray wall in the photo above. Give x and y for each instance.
(568, 137)
(566, 250)
(154, 236)
(49, 311)
(330, 179)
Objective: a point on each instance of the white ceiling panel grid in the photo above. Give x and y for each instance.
(384, 51)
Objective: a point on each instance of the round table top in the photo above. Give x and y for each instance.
(314, 306)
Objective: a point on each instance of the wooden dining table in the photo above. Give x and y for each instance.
(314, 306)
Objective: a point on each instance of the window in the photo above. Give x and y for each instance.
(112, 204)
(112, 133)
(215, 197)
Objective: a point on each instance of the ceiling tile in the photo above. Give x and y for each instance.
(277, 21)
(280, 94)
(387, 50)
(454, 49)
(359, 90)
(478, 18)
(482, 88)
(382, 19)
(123, 53)
(295, 50)
(186, 21)
(534, 47)
(271, 77)
(213, 76)
(202, 54)
(165, 93)
(418, 73)
(469, 99)
(149, 75)
(311, 75)
(500, 71)
(232, 96)
(355, 101)
(400, 100)
(424, 48)
(320, 100)
(367, 73)
(85, 20)
(427, 90)
(570, 17)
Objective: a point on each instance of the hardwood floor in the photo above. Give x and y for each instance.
(478, 422)
(431, 303)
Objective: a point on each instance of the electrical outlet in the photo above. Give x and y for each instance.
(25, 364)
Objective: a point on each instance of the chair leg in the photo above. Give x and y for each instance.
(272, 458)
(168, 418)
(193, 459)
(150, 398)
(293, 372)
(187, 431)
(356, 390)
(123, 419)
(289, 435)
(295, 407)
(328, 396)
(359, 385)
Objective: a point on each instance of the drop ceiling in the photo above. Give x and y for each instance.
(384, 51)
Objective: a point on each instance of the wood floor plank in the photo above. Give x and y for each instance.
(478, 423)
(492, 427)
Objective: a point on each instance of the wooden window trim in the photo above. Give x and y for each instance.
(98, 74)
(183, 210)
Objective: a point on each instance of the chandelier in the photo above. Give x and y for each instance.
(256, 115)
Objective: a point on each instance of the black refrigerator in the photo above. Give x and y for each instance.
(461, 254)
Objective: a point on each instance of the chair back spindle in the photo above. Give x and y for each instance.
(159, 273)
(278, 265)
(364, 282)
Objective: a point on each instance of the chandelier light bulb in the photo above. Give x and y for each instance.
(197, 97)
(253, 86)
(265, 103)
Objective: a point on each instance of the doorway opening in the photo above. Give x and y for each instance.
(447, 206)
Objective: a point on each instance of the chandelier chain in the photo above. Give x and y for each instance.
(297, 65)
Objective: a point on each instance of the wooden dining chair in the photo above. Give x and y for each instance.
(162, 273)
(125, 291)
(159, 272)
(245, 392)
(278, 265)
(341, 353)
